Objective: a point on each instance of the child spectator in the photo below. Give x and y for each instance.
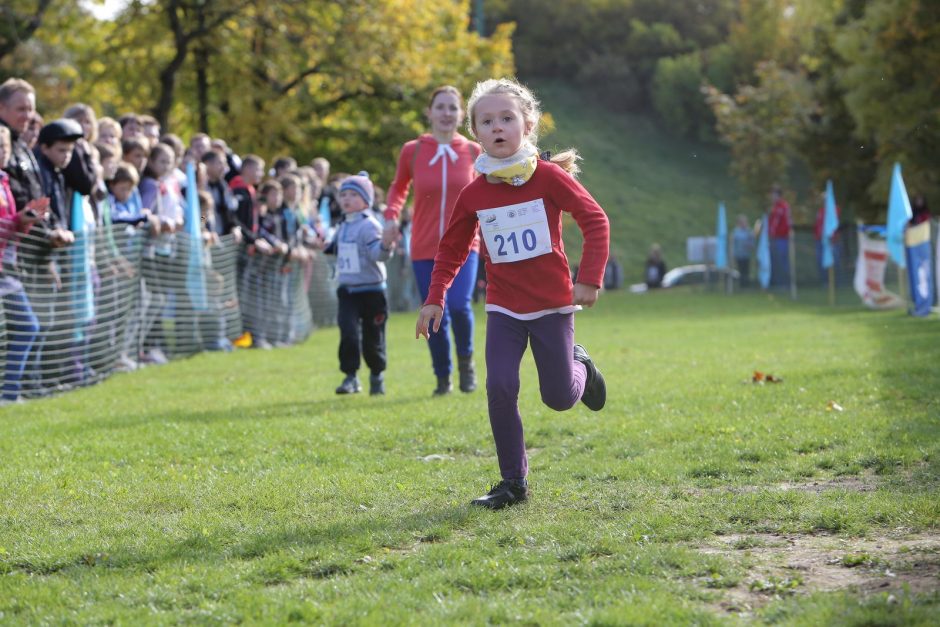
(150, 128)
(243, 187)
(212, 324)
(135, 151)
(199, 145)
(363, 309)
(517, 204)
(655, 268)
(125, 201)
(109, 132)
(160, 192)
(131, 127)
(224, 203)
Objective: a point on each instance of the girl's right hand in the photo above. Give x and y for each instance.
(428, 313)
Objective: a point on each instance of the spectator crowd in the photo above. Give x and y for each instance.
(124, 246)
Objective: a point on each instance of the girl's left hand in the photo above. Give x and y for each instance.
(585, 294)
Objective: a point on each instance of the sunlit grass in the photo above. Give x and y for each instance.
(240, 488)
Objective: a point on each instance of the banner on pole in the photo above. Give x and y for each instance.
(195, 270)
(917, 240)
(763, 254)
(721, 239)
(82, 223)
(870, 270)
(899, 214)
(830, 226)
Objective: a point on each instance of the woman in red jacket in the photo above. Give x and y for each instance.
(439, 164)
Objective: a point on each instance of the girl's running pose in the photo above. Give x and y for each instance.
(530, 299)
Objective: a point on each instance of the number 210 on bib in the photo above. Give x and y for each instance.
(515, 232)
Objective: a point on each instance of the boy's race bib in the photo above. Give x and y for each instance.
(347, 258)
(515, 232)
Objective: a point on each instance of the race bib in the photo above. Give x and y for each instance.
(516, 232)
(347, 258)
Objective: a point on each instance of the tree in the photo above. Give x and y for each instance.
(891, 53)
(18, 21)
(763, 124)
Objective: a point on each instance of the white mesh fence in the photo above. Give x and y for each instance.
(118, 297)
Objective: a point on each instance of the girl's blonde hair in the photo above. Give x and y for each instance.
(77, 112)
(112, 124)
(531, 114)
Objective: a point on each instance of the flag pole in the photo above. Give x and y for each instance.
(832, 286)
(791, 241)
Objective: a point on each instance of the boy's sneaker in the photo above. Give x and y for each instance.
(376, 385)
(595, 389)
(506, 492)
(350, 385)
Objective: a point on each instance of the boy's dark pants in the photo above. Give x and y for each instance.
(361, 319)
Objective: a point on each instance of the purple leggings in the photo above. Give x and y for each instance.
(561, 378)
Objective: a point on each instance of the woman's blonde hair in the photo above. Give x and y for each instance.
(531, 114)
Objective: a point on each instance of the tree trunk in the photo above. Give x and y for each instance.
(202, 87)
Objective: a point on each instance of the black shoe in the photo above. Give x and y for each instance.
(376, 385)
(443, 386)
(595, 389)
(468, 375)
(506, 492)
(350, 385)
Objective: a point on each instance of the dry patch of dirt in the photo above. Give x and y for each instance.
(781, 565)
(851, 483)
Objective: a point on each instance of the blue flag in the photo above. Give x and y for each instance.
(763, 254)
(899, 213)
(830, 226)
(721, 239)
(195, 272)
(83, 295)
(325, 214)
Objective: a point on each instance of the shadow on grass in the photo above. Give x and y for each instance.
(240, 412)
(292, 552)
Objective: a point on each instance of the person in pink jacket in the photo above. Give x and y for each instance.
(438, 165)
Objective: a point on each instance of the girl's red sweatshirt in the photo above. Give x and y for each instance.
(539, 283)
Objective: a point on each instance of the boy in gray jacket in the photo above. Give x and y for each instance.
(360, 267)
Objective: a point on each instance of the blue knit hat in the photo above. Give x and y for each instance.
(360, 184)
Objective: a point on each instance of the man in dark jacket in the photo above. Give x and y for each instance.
(17, 105)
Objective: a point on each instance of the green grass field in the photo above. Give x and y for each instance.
(239, 488)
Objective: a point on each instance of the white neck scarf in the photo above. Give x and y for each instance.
(514, 170)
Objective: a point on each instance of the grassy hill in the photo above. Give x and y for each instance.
(654, 187)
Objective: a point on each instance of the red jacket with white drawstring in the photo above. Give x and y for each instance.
(438, 175)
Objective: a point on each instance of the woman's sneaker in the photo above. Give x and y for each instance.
(376, 385)
(443, 386)
(506, 492)
(350, 385)
(595, 389)
(467, 371)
